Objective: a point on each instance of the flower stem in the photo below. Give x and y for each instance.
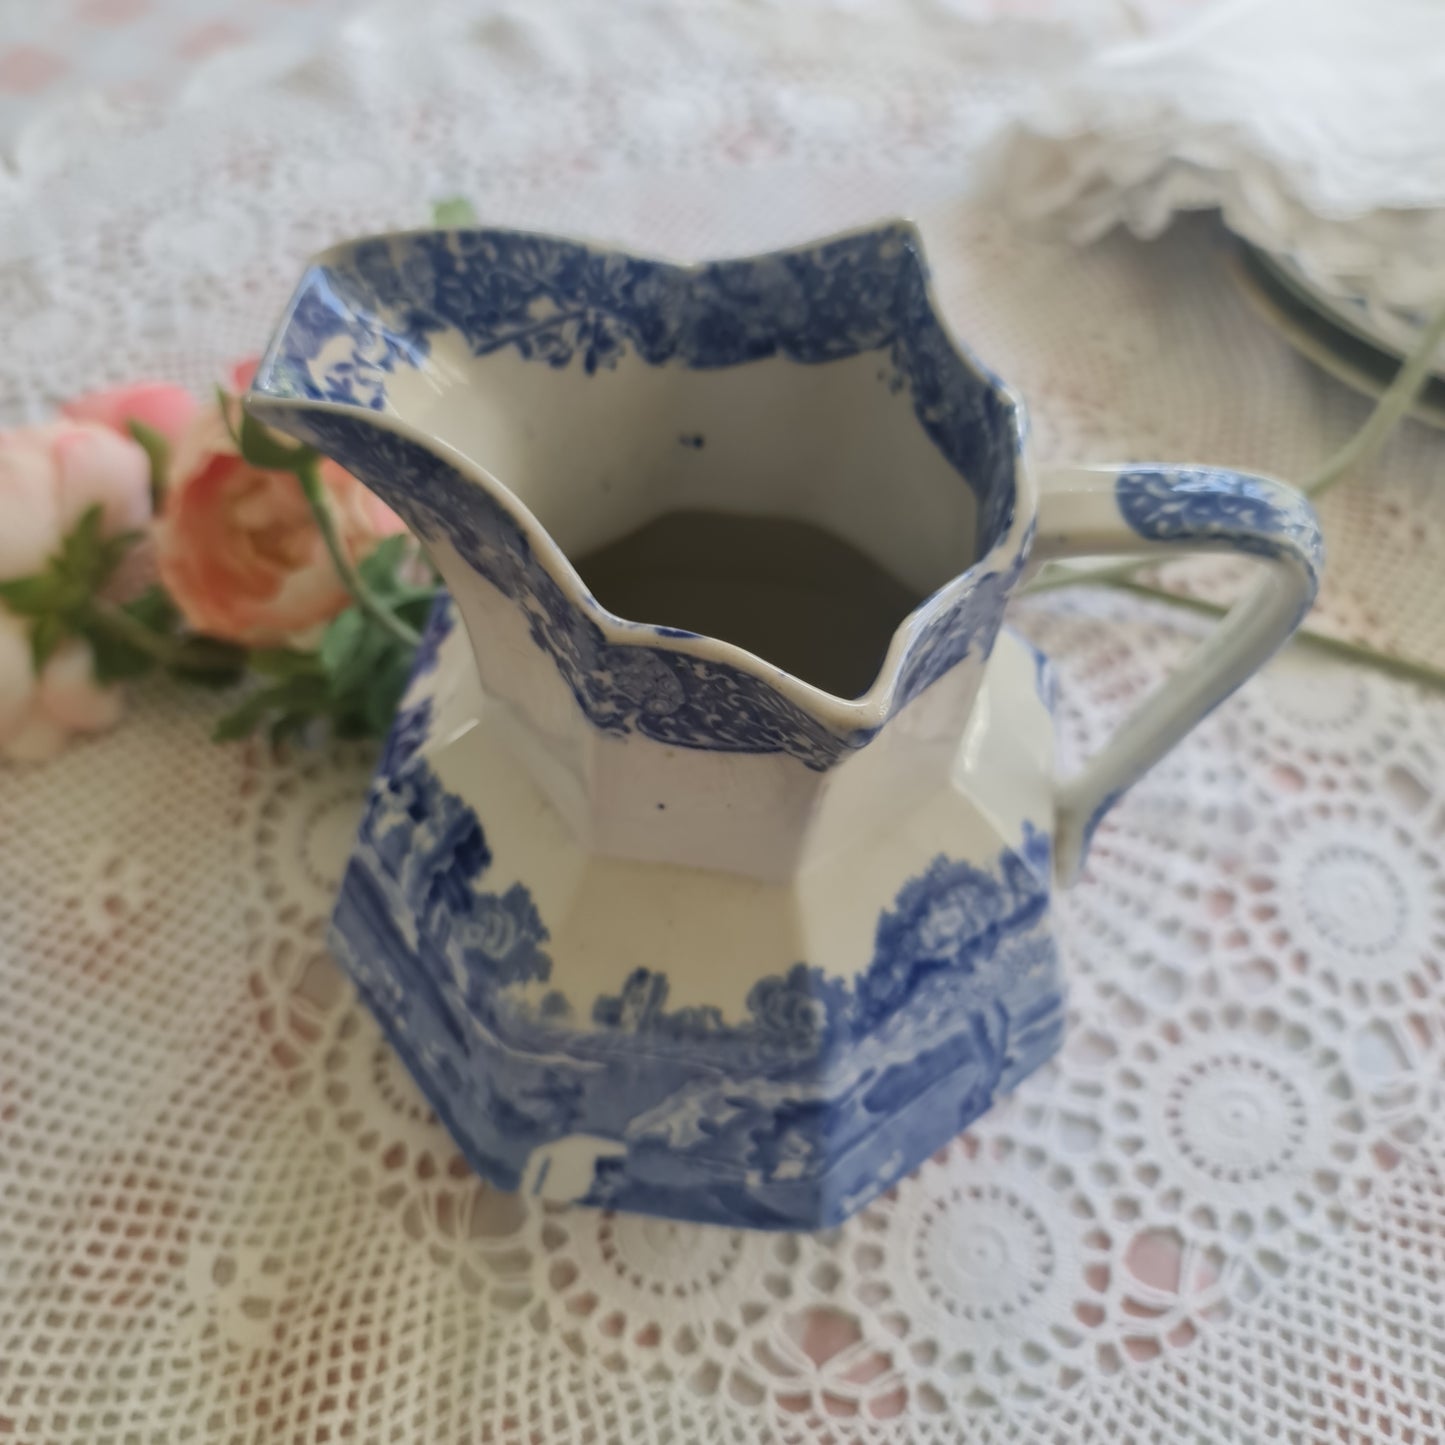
(1394, 402)
(310, 479)
(1355, 651)
(190, 652)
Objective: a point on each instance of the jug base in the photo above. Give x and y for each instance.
(689, 1043)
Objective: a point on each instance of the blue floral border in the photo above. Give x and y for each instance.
(666, 694)
(1209, 504)
(560, 303)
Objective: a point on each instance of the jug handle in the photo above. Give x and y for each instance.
(1150, 512)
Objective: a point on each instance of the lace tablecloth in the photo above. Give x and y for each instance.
(135, 53)
(225, 1213)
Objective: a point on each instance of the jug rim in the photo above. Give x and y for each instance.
(854, 720)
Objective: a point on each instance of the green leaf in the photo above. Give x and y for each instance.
(46, 635)
(84, 564)
(453, 211)
(284, 662)
(209, 662)
(225, 401)
(33, 596)
(386, 692)
(80, 551)
(416, 610)
(158, 450)
(241, 721)
(378, 568)
(127, 640)
(352, 725)
(425, 595)
(154, 609)
(303, 697)
(362, 668)
(288, 727)
(109, 556)
(341, 640)
(115, 660)
(262, 449)
(209, 674)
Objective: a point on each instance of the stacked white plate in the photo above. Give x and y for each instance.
(1357, 339)
(1312, 126)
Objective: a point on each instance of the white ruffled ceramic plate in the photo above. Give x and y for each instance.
(1342, 351)
(1394, 330)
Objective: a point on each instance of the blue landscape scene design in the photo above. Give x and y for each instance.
(825, 1092)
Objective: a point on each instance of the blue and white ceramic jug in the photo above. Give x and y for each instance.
(654, 923)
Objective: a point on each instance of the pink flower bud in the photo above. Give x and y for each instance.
(30, 533)
(17, 681)
(69, 694)
(158, 405)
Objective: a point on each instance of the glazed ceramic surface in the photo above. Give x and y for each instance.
(655, 924)
(1396, 331)
(1347, 353)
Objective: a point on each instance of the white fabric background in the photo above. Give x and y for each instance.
(1314, 127)
(224, 1212)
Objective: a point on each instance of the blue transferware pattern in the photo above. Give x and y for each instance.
(1046, 679)
(561, 304)
(814, 1089)
(961, 621)
(439, 627)
(1214, 504)
(1205, 504)
(827, 1091)
(1091, 824)
(663, 693)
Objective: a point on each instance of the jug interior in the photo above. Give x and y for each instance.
(788, 590)
(798, 510)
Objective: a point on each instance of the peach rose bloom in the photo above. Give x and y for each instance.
(238, 549)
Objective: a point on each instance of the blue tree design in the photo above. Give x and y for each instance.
(439, 625)
(637, 1007)
(947, 918)
(498, 942)
(409, 730)
(800, 1010)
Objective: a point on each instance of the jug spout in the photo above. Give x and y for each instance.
(521, 401)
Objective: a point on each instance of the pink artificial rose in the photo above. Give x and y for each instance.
(17, 680)
(158, 405)
(30, 509)
(51, 475)
(238, 549)
(64, 699)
